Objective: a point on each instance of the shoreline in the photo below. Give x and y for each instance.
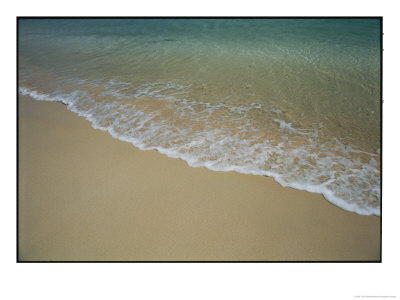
(326, 192)
(84, 195)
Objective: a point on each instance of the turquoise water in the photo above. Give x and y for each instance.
(295, 99)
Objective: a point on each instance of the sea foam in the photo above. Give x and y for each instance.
(222, 137)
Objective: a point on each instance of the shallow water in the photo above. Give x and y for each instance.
(295, 99)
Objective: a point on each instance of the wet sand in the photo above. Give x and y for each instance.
(84, 195)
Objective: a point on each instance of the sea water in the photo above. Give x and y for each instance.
(294, 99)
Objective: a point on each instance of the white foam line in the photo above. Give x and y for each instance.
(222, 164)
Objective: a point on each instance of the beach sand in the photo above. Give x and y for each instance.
(84, 195)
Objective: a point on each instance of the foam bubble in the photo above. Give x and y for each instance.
(222, 137)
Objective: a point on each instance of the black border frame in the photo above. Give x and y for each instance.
(380, 18)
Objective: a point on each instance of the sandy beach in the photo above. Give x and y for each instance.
(84, 195)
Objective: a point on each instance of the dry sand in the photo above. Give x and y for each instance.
(84, 195)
